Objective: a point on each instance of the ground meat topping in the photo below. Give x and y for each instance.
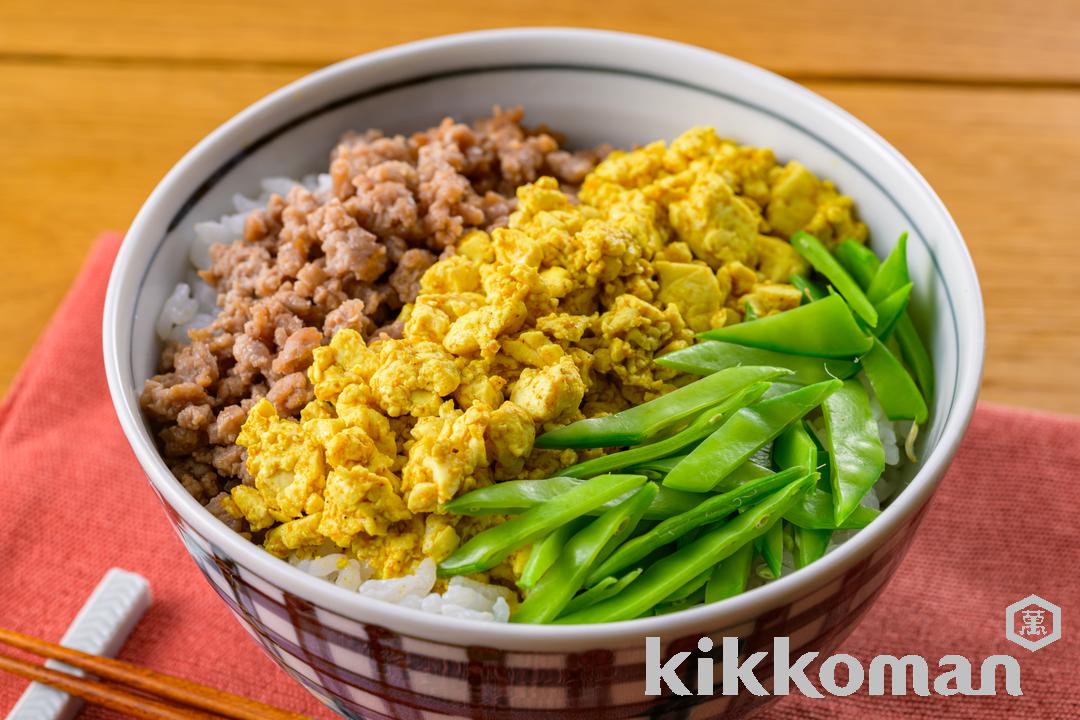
(350, 314)
(227, 425)
(405, 280)
(290, 394)
(218, 507)
(350, 249)
(295, 354)
(195, 417)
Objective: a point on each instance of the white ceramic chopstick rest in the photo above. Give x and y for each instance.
(101, 628)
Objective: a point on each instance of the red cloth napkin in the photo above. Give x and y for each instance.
(74, 502)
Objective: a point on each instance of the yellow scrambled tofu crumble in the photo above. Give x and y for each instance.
(555, 317)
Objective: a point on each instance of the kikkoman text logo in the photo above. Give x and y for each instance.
(1032, 623)
(954, 674)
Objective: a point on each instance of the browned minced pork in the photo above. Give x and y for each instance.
(309, 265)
(216, 506)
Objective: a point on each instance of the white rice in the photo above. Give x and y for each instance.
(886, 427)
(463, 598)
(193, 303)
(182, 312)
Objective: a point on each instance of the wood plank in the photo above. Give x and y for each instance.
(91, 144)
(1002, 159)
(971, 39)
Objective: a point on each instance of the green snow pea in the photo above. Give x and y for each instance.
(892, 274)
(746, 472)
(895, 390)
(771, 547)
(886, 288)
(746, 432)
(492, 546)
(651, 474)
(709, 356)
(823, 468)
(513, 497)
(823, 261)
(810, 545)
(668, 503)
(689, 537)
(702, 426)
(563, 579)
(863, 265)
(545, 552)
(915, 354)
(859, 260)
(890, 310)
(657, 469)
(646, 421)
(749, 314)
(814, 511)
(588, 596)
(665, 608)
(825, 328)
(856, 457)
(670, 573)
(670, 530)
(602, 590)
(730, 576)
(690, 588)
(660, 466)
(510, 497)
(811, 290)
(795, 447)
(630, 527)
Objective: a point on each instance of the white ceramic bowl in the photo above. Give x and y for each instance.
(367, 658)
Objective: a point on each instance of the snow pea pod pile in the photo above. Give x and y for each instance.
(729, 479)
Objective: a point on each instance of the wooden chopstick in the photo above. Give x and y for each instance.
(102, 694)
(151, 682)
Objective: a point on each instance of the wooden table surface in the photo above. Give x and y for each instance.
(98, 100)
